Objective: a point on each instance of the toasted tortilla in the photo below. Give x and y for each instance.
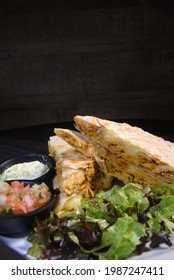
(151, 153)
(110, 164)
(64, 203)
(76, 173)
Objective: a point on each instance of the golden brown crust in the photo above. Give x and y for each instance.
(76, 173)
(145, 150)
(110, 164)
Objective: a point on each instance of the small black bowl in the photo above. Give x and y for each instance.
(45, 159)
(15, 224)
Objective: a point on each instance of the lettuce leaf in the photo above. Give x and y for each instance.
(128, 196)
(111, 225)
(162, 212)
(100, 209)
(121, 238)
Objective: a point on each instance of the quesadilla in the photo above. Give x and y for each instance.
(76, 173)
(110, 164)
(65, 204)
(151, 154)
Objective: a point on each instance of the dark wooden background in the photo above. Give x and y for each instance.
(113, 59)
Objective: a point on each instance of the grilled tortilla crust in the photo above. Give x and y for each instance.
(76, 173)
(110, 164)
(151, 153)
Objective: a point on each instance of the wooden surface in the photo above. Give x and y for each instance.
(113, 59)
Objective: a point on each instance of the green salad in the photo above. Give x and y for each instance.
(112, 225)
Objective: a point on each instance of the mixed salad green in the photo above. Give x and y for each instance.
(116, 225)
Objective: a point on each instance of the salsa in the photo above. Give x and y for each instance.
(16, 198)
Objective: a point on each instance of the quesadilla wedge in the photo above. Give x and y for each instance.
(77, 176)
(110, 164)
(150, 153)
(76, 173)
(65, 204)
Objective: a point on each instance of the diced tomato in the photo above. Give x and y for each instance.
(25, 190)
(17, 185)
(16, 206)
(21, 199)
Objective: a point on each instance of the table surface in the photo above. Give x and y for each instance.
(34, 140)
